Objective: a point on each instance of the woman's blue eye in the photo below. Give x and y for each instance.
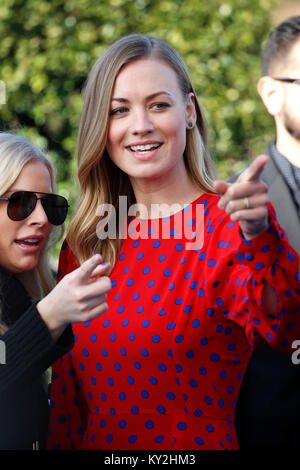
(161, 105)
(118, 111)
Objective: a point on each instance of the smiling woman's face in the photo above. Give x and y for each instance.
(148, 121)
(21, 242)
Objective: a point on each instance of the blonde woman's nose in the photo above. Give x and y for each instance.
(38, 216)
(142, 122)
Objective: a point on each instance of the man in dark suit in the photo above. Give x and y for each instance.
(268, 408)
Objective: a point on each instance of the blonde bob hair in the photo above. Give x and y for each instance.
(15, 153)
(100, 180)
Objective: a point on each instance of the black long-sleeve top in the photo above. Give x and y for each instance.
(26, 352)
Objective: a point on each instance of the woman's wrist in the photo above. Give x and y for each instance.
(55, 328)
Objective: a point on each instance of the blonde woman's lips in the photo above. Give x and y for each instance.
(144, 151)
(30, 244)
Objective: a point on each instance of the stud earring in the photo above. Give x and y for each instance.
(190, 125)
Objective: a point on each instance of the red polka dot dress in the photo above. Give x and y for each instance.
(162, 367)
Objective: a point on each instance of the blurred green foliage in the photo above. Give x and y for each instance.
(47, 49)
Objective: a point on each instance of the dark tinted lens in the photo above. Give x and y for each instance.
(56, 208)
(21, 204)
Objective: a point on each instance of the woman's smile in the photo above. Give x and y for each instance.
(144, 151)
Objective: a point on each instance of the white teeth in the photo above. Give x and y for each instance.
(29, 240)
(144, 148)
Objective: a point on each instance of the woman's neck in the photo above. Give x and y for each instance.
(166, 196)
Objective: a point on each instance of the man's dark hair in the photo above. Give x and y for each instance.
(280, 42)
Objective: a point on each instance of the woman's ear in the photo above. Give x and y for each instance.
(191, 116)
(271, 93)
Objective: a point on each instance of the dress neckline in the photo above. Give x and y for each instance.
(167, 217)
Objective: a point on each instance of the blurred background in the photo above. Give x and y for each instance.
(47, 49)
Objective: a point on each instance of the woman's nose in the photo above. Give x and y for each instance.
(142, 123)
(38, 215)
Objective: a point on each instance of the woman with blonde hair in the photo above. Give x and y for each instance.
(201, 270)
(34, 332)
(101, 181)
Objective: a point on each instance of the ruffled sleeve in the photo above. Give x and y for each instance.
(269, 259)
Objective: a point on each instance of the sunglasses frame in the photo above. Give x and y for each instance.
(46, 195)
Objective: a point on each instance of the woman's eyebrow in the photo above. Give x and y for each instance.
(149, 97)
(120, 100)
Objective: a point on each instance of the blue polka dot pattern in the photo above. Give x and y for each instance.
(162, 367)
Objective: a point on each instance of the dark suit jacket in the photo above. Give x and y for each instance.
(282, 200)
(268, 407)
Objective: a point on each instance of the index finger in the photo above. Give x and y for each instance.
(252, 173)
(100, 270)
(86, 269)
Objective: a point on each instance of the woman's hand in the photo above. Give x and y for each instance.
(246, 200)
(79, 297)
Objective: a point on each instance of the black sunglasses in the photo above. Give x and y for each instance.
(289, 80)
(22, 203)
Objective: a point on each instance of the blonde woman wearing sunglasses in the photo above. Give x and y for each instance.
(34, 332)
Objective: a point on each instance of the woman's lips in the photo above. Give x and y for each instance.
(29, 244)
(144, 151)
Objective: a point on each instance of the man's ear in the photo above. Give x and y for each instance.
(271, 93)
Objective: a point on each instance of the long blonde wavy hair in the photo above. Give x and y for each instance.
(102, 182)
(15, 153)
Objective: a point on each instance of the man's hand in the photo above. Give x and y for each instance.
(246, 200)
